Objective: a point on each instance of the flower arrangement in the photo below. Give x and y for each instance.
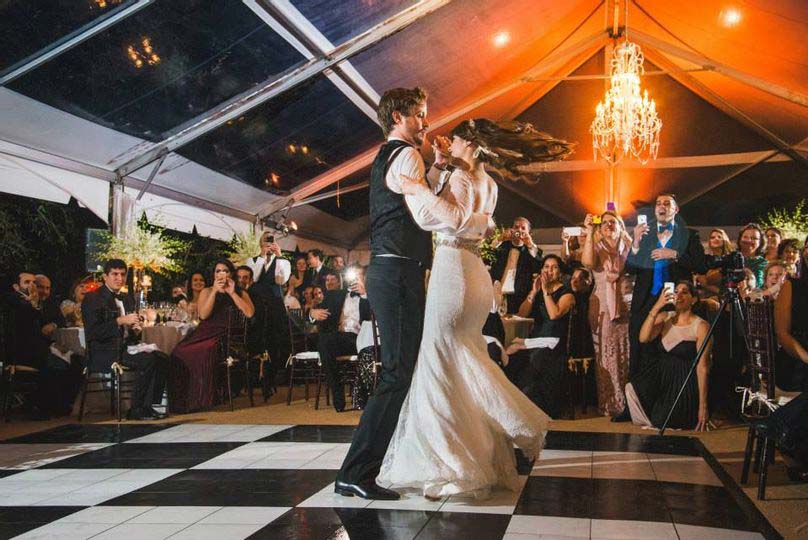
(488, 247)
(145, 247)
(793, 223)
(243, 246)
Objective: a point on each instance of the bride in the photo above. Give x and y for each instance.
(462, 416)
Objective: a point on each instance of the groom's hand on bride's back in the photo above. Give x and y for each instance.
(318, 314)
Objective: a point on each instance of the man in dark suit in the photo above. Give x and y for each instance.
(670, 253)
(339, 319)
(109, 324)
(517, 259)
(315, 275)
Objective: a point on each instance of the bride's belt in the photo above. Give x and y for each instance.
(470, 245)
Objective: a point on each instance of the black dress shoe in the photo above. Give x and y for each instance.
(366, 491)
(624, 416)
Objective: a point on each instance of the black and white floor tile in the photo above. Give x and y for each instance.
(262, 481)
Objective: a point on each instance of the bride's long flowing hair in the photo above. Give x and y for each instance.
(507, 146)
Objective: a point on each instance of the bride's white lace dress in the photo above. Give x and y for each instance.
(462, 415)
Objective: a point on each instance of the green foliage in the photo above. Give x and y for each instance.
(43, 237)
(243, 246)
(146, 246)
(793, 222)
(488, 250)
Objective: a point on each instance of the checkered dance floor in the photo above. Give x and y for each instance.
(261, 481)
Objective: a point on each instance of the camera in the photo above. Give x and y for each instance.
(732, 268)
(270, 239)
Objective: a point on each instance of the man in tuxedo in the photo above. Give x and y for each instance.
(270, 327)
(670, 253)
(315, 275)
(339, 319)
(110, 322)
(517, 259)
(401, 252)
(51, 312)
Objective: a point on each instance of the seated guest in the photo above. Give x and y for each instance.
(517, 259)
(109, 323)
(290, 299)
(52, 315)
(317, 296)
(789, 253)
(752, 245)
(332, 281)
(773, 278)
(549, 304)
(791, 327)
(339, 319)
(71, 308)
(27, 345)
(677, 336)
(194, 361)
(244, 277)
(196, 283)
(298, 280)
(773, 238)
(315, 275)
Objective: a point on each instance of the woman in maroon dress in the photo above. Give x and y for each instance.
(192, 379)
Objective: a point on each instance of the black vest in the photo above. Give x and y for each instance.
(265, 283)
(392, 228)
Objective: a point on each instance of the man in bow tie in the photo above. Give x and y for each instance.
(517, 259)
(670, 253)
(110, 321)
(339, 319)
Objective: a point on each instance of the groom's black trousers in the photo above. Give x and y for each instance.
(396, 293)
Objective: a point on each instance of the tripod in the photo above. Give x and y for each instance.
(729, 298)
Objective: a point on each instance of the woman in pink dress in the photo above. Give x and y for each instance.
(605, 251)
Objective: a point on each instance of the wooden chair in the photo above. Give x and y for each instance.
(234, 352)
(303, 365)
(759, 397)
(579, 360)
(347, 366)
(111, 381)
(14, 378)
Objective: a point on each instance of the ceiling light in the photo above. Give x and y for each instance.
(730, 17)
(501, 38)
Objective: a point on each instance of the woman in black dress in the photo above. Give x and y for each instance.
(677, 334)
(549, 304)
(791, 327)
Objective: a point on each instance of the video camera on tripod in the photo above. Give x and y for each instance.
(732, 268)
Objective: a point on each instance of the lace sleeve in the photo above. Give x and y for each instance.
(449, 211)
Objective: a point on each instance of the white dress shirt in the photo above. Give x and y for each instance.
(260, 264)
(409, 163)
(349, 320)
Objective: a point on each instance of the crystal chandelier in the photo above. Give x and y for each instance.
(626, 121)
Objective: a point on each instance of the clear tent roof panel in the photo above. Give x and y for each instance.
(295, 136)
(340, 21)
(162, 66)
(31, 26)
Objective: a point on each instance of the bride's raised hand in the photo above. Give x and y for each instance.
(412, 185)
(440, 145)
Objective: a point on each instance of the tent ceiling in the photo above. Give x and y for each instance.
(93, 105)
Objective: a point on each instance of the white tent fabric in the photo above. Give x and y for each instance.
(181, 217)
(31, 179)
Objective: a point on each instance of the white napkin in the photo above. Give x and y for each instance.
(141, 348)
(59, 354)
(541, 343)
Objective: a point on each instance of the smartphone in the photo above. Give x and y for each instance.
(596, 220)
(573, 231)
(669, 286)
(642, 219)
